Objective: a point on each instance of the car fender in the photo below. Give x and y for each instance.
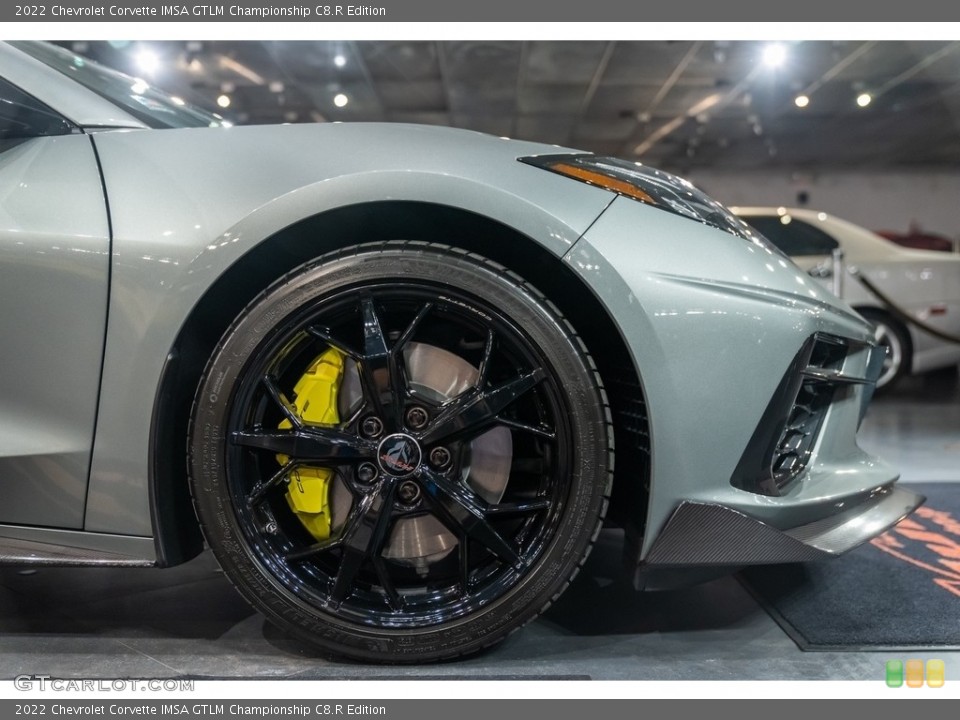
(179, 224)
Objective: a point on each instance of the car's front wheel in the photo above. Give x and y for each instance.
(400, 452)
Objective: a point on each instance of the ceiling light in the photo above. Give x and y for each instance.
(774, 55)
(276, 87)
(223, 101)
(340, 99)
(801, 101)
(147, 61)
(177, 101)
(339, 60)
(864, 99)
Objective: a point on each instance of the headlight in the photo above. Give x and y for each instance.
(650, 186)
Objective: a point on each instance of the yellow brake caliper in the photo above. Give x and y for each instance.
(308, 492)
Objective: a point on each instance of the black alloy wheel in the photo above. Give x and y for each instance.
(460, 475)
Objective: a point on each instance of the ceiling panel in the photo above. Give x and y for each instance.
(401, 61)
(555, 99)
(596, 95)
(562, 62)
(414, 95)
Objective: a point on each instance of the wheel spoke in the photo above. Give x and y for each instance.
(324, 334)
(381, 367)
(476, 410)
(398, 370)
(374, 341)
(361, 408)
(468, 514)
(484, 368)
(363, 540)
(540, 431)
(310, 551)
(463, 544)
(308, 444)
(411, 329)
(261, 490)
(288, 408)
(519, 508)
(394, 599)
(356, 513)
(378, 370)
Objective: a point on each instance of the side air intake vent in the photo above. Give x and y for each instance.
(783, 442)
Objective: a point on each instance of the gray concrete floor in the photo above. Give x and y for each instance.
(188, 621)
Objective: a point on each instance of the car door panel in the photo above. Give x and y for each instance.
(54, 273)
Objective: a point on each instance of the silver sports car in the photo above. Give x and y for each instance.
(397, 376)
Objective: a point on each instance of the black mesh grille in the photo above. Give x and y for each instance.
(801, 431)
(783, 442)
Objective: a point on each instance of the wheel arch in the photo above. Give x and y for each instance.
(176, 530)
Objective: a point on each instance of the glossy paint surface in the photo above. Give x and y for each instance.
(54, 256)
(714, 322)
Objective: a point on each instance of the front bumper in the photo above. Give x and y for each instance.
(721, 331)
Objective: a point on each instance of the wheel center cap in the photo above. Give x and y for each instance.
(399, 455)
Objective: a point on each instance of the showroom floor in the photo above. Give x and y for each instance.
(188, 621)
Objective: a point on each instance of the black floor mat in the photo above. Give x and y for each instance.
(901, 591)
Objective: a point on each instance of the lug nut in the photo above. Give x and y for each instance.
(408, 493)
(417, 417)
(366, 473)
(440, 457)
(371, 427)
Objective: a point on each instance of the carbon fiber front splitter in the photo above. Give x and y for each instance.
(699, 534)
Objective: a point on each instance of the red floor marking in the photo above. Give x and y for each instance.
(946, 548)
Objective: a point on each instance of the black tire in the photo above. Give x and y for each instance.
(514, 553)
(891, 334)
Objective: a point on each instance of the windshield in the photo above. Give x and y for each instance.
(152, 107)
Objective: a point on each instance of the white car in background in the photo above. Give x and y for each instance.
(924, 284)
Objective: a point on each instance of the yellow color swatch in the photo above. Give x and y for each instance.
(935, 672)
